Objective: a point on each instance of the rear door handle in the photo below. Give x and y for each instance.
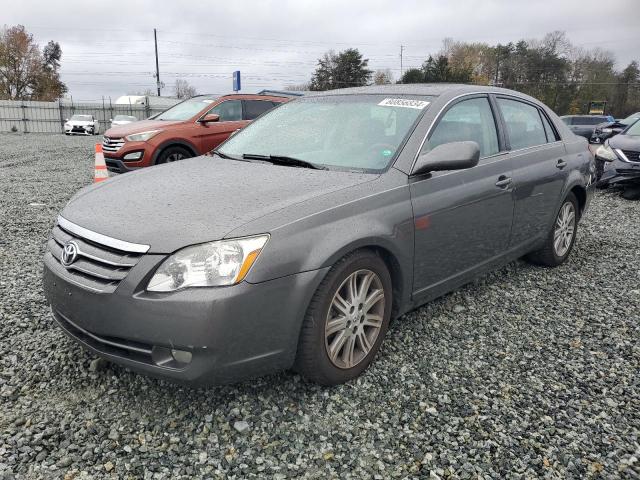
(503, 181)
(561, 164)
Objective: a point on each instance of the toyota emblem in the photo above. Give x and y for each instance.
(69, 253)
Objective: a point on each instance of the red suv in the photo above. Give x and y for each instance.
(188, 129)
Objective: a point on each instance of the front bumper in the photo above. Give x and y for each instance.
(618, 172)
(231, 333)
(80, 130)
(117, 163)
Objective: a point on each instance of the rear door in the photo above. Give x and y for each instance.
(462, 218)
(539, 167)
(210, 135)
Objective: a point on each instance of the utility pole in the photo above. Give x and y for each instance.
(401, 49)
(155, 40)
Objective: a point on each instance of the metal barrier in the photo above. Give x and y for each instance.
(49, 117)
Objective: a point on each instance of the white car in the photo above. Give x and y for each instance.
(81, 125)
(122, 120)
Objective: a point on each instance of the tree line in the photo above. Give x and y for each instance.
(563, 76)
(26, 71)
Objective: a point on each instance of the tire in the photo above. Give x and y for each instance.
(313, 359)
(173, 154)
(553, 254)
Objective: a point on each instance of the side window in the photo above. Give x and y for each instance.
(523, 122)
(467, 120)
(255, 108)
(552, 136)
(229, 111)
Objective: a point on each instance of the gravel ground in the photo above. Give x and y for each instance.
(526, 373)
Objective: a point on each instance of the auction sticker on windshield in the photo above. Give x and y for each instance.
(403, 102)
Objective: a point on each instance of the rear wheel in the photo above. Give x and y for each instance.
(173, 154)
(560, 240)
(346, 320)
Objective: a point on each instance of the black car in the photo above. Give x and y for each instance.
(583, 125)
(618, 160)
(609, 129)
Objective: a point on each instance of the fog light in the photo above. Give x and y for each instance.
(133, 156)
(170, 357)
(181, 356)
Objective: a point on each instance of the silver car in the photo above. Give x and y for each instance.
(296, 242)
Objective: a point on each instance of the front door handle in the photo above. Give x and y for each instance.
(503, 181)
(561, 164)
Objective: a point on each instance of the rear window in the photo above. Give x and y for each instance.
(523, 122)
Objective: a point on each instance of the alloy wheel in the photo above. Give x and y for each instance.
(355, 319)
(175, 157)
(564, 230)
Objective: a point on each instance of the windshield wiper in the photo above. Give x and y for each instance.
(283, 160)
(225, 156)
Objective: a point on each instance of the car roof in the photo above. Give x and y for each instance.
(256, 96)
(584, 116)
(447, 90)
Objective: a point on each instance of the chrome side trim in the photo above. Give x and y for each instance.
(102, 239)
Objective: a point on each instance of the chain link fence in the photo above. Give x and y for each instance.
(49, 117)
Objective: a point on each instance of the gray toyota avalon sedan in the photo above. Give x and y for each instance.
(296, 242)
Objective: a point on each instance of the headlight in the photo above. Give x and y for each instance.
(605, 152)
(142, 136)
(213, 264)
(607, 130)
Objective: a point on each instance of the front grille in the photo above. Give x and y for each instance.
(634, 172)
(631, 155)
(113, 166)
(120, 347)
(97, 268)
(112, 144)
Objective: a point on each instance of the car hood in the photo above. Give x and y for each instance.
(119, 131)
(625, 142)
(197, 200)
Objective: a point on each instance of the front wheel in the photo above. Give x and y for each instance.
(346, 320)
(173, 154)
(560, 240)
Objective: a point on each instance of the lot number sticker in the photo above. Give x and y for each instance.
(403, 102)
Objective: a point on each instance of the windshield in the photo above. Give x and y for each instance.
(83, 118)
(351, 132)
(631, 118)
(186, 109)
(634, 129)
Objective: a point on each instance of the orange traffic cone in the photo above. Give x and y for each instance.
(101, 172)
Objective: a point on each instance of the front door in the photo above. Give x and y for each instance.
(210, 135)
(462, 218)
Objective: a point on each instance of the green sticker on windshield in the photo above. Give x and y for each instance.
(387, 153)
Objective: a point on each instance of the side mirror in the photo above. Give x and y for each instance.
(66, 119)
(448, 156)
(210, 117)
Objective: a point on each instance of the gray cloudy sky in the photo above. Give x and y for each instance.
(108, 46)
